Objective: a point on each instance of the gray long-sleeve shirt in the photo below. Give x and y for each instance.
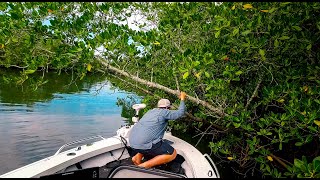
(151, 127)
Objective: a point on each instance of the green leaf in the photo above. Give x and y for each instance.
(77, 50)
(262, 53)
(316, 164)
(235, 31)
(14, 15)
(268, 168)
(238, 73)
(298, 163)
(300, 176)
(317, 122)
(207, 74)
(285, 3)
(244, 33)
(284, 38)
(312, 128)
(185, 75)
(297, 28)
(280, 146)
(29, 71)
(309, 47)
(224, 57)
(269, 133)
(5, 79)
(236, 125)
(196, 63)
(89, 66)
(308, 139)
(276, 43)
(217, 34)
(272, 10)
(82, 76)
(70, 54)
(208, 88)
(217, 28)
(298, 144)
(14, 39)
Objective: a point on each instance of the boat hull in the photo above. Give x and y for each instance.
(107, 150)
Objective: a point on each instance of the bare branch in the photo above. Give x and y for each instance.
(17, 66)
(202, 135)
(177, 83)
(254, 92)
(216, 110)
(148, 92)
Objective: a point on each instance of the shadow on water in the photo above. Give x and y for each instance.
(29, 92)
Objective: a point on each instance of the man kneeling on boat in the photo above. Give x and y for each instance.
(145, 138)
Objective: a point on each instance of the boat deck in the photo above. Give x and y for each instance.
(126, 169)
(173, 166)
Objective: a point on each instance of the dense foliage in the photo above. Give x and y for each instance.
(259, 62)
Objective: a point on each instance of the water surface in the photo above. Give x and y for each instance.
(34, 124)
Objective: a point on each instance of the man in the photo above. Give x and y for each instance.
(146, 135)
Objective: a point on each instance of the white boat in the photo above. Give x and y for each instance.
(109, 158)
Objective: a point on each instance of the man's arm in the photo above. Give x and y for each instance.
(175, 114)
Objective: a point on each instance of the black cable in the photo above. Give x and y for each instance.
(124, 141)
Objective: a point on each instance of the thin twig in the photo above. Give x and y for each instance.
(270, 74)
(18, 66)
(237, 172)
(203, 135)
(98, 90)
(179, 48)
(177, 83)
(254, 92)
(277, 159)
(151, 74)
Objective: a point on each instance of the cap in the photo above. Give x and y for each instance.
(164, 103)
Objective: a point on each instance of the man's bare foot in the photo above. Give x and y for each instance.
(135, 161)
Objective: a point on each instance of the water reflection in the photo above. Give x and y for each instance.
(34, 124)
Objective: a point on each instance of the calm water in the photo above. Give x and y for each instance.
(34, 124)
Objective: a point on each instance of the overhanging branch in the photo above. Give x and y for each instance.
(218, 111)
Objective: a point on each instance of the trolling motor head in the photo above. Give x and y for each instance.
(137, 107)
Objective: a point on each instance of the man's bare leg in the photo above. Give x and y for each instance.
(137, 158)
(158, 160)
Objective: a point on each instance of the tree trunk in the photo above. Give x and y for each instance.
(188, 114)
(218, 111)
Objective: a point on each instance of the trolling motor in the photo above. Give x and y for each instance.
(137, 107)
(124, 131)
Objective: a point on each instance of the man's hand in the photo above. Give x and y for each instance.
(183, 96)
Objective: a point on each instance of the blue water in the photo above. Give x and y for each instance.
(32, 131)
